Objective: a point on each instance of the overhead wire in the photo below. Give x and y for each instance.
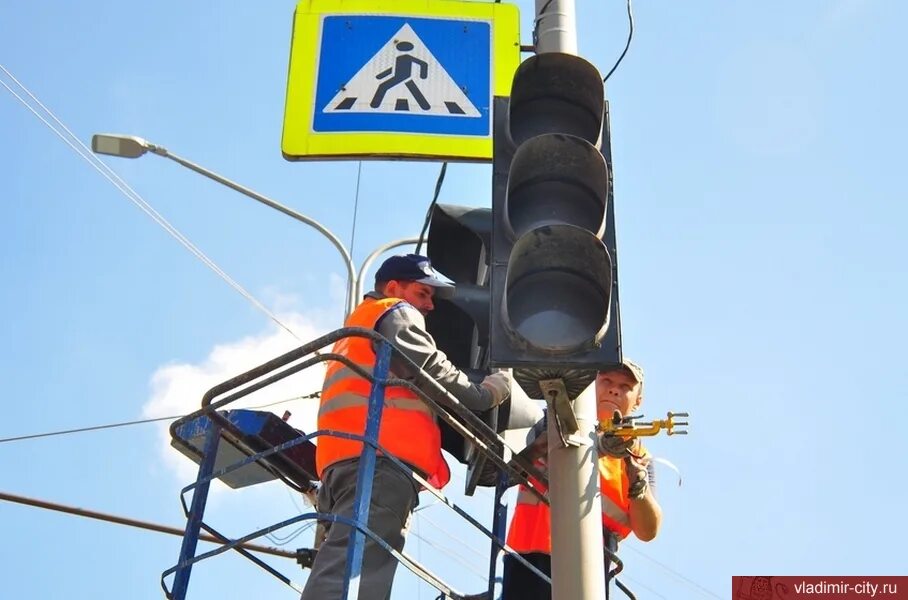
(425, 226)
(637, 583)
(359, 174)
(696, 586)
(453, 537)
(83, 151)
(118, 520)
(630, 36)
(139, 422)
(472, 568)
(281, 541)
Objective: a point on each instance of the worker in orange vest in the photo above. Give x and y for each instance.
(405, 287)
(625, 479)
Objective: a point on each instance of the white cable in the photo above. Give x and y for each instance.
(624, 578)
(472, 568)
(453, 537)
(696, 586)
(135, 197)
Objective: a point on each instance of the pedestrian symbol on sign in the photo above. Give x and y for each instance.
(403, 77)
(402, 72)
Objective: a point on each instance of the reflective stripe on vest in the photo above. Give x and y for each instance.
(530, 529)
(408, 429)
(347, 390)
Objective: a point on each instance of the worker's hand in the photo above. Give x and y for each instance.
(637, 476)
(614, 445)
(499, 386)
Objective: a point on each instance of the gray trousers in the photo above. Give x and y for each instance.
(394, 496)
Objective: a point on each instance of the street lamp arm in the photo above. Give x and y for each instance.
(358, 291)
(348, 261)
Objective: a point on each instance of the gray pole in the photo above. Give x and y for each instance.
(578, 570)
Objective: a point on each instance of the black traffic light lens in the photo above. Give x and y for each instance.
(558, 289)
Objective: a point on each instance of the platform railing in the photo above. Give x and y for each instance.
(446, 407)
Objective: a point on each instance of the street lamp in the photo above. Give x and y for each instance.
(130, 146)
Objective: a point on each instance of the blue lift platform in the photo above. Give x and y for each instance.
(245, 447)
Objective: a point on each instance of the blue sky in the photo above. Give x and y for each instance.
(758, 163)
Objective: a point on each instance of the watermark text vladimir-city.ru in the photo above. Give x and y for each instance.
(863, 588)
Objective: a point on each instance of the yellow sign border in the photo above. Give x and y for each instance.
(299, 142)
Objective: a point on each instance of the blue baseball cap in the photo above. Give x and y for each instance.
(413, 267)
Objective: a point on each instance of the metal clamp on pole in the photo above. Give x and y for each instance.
(561, 407)
(630, 427)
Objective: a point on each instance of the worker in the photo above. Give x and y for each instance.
(625, 482)
(405, 289)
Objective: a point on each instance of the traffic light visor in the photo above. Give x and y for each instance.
(555, 179)
(556, 92)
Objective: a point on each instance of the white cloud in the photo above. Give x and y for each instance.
(178, 388)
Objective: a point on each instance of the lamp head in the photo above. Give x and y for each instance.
(124, 146)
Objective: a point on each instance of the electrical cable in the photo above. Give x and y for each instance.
(134, 196)
(438, 184)
(359, 174)
(638, 583)
(124, 424)
(472, 568)
(280, 541)
(630, 36)
(541, 12)
(701, 589)
(81, 512)
(462, 543)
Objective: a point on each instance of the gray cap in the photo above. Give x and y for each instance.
(629, 366)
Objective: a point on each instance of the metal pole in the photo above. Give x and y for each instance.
(358, 289)
(578, 571)
(556, 27)
(577, 556)
(348, 262)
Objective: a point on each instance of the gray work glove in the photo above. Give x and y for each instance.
(637, 476)
(499, 386)
(614, 445)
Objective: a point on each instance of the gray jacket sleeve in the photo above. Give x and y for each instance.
(405, 327)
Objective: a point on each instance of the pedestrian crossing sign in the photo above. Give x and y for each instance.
(397, 78)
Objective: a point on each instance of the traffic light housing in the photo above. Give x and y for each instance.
(458, 243)
(553, 288)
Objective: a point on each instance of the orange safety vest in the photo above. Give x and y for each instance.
(408, 429)
(530, 529)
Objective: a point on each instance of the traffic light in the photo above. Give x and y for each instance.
(552, 284)
(457, 244)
